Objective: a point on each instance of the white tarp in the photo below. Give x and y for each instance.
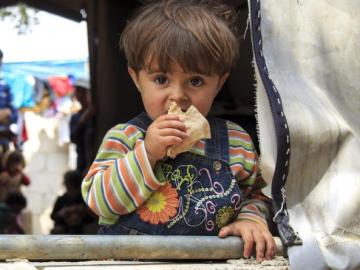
(312, 53)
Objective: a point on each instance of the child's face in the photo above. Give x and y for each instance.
(159, 89)
(14, 168)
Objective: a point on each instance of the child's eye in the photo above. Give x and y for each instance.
(161, 79)
(196, 82)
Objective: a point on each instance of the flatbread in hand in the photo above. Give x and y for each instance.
(196, 126)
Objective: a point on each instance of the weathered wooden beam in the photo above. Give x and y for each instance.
(98, 247)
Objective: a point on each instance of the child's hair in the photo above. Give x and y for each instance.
(200, 36)
(73, 179)
(13, 157)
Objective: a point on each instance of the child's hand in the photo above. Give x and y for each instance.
(165, 131)
(252, 233)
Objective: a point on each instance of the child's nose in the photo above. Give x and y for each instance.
(178, 94)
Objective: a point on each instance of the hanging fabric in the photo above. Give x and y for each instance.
(307, 64)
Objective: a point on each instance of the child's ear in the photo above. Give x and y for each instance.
(222, 80)
(134, 77)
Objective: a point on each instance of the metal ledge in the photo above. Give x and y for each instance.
(125, 247)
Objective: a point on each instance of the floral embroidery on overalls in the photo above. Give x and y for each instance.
(203, 198)
(176, 175)
(161, 206)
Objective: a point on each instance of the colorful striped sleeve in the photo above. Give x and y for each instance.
(120, 178)
(244, 166)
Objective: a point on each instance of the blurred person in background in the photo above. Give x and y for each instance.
(12, 177)
(8, 114)
(70, 214)
(16, 203)
(81, 124)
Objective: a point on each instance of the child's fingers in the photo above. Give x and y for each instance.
(173, 132)
(225, 231)
(167, 117)
(169, 120)
(259, 245)
(248, 243)
(175, 124)
(171, 140)
(230, 229)
(270, 246)
(246, 236)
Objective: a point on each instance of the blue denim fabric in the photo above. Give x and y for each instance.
(209, 196)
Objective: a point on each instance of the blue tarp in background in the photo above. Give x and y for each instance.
(19, 76)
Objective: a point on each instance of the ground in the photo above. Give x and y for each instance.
(279, 263)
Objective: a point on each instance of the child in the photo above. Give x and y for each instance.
(13, 176)
(179, 51)
(16, 202)
(70, 214)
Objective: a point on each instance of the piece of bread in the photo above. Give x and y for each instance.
(196, 126)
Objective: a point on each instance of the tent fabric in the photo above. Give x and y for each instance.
(22, 91)
(44, 69)
(24, 77)
(312, 58)
(280, 133)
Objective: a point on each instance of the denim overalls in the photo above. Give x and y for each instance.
(201, 194)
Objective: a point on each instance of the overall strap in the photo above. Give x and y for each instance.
(142, 121)
(218, 146)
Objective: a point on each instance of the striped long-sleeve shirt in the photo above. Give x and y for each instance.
(121, 178)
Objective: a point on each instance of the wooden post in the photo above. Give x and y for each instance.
(104, 247)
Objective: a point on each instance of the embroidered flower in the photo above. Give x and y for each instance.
(161, 205)
(224, 216)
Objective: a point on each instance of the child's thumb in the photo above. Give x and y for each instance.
(225, 231)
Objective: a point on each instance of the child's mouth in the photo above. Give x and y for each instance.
(183, 109)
